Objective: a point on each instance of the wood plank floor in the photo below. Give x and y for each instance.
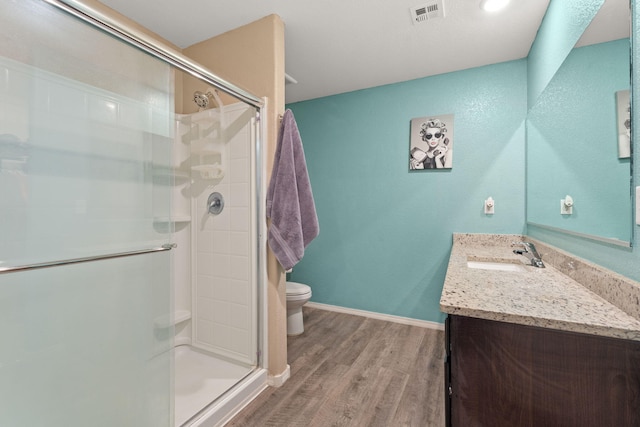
(350, 370)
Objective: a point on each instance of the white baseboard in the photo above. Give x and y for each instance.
(379, 316)
(278, 380)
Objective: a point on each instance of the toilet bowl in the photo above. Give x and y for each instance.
(297, 296)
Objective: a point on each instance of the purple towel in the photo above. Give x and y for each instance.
(290, 205)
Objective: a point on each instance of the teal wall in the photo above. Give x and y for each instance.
(572, 144)
(625, 261)
(561, 28)
(385, 232)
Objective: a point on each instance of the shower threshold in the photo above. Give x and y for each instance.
(201, 378)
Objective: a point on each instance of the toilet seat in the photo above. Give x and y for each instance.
(295, 289)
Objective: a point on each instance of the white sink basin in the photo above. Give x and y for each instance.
(496, 266)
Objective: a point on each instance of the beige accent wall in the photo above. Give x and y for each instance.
(252, 58)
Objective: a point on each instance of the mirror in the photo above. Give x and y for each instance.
(573, 134)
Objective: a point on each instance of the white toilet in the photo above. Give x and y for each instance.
(297, 296)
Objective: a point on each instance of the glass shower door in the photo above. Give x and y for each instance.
(86, 126)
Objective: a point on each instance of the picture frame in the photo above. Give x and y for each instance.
(431, 142)
(623, 118)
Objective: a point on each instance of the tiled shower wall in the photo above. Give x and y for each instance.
(224, 299)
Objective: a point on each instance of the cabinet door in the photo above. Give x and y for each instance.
(512, 375)
(447, 374)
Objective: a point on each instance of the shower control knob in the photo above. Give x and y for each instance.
(215, 203)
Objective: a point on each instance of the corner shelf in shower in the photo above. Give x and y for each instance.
(206, 152)
(181, 174)
(172, 218)
(212, 171)
(171, 173)
(179, 316)
(211, 168)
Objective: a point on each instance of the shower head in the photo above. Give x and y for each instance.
(201, 99)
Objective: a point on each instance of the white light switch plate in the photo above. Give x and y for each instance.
(564, 209)
(489, 210)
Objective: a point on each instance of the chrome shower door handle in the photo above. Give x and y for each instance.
(215, 203)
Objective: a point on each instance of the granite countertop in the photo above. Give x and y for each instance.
(543, 297)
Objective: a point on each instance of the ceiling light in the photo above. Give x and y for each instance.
(493, 5)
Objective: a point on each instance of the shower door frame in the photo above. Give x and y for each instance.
(155, 48)
(165, 53)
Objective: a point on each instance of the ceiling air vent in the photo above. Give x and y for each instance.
(424, 12)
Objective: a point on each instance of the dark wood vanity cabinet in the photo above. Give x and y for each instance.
(503, 374)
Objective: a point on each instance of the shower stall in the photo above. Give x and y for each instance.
(216, 300)
(131, 257)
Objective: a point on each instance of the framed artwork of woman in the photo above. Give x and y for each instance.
(431, 142)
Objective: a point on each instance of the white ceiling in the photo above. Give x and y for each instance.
(612, 22)
(336, 46)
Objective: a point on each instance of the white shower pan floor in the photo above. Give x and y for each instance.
(199, 379)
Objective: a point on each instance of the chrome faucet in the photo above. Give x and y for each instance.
(529, 251)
